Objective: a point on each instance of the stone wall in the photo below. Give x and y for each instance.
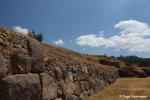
(26, 73)
(115, 63)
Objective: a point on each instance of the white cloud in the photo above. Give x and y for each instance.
(101, 33)
(19, 29)
(133, 36)
(92, 40)
(59, 42)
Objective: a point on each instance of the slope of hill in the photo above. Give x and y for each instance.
(33, 71)
(125, 88)
(123, 68)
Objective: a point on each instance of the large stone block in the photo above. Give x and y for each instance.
(35, 50)
(21, 87)
(84, 86)
(58, 73)
(49, 87)
(3, 68)
(69, 87)
(21, 63)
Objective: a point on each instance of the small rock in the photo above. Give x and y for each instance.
(71, 97)
(84, 94)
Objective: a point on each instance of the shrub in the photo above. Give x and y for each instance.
(35, 35)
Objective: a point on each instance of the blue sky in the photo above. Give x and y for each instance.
(86, 26)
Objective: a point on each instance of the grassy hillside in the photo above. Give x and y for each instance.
(124, 86)
(61, 56)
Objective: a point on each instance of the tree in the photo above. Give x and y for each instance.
(32, 33)
(35, 35)
(39, 37)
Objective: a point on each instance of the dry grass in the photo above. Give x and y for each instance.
(125, 86)
(69, 53)
(69, 57)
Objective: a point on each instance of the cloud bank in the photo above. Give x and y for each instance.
(133, 36)
(19, 29)
(59, 42)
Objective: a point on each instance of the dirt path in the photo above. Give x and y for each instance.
(125, 89)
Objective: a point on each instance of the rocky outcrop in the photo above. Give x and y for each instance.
(115, 63)
(27, 72)
(132, 72)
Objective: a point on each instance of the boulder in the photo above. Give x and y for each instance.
(35, 50)
(21, 87)
(84, 85)
(21, 64)
(3, 68)
(94, 84)
(78, 89)
(69, 76)
(69, 86)
(49, 87)
(84, 69)
(58, 73)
